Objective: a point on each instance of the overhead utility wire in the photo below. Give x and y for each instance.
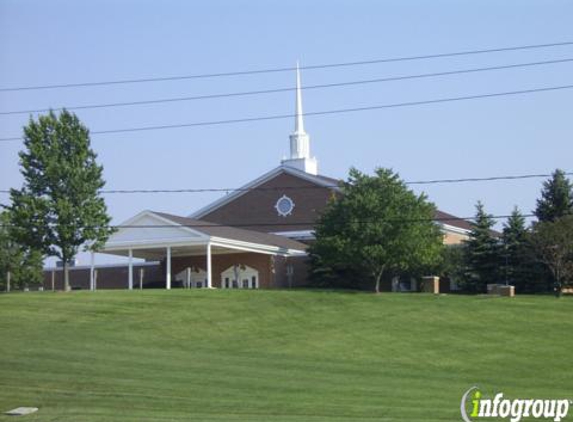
(278, 188)
(321, 113)
(288, 69)
(274, 223)
(279, 90)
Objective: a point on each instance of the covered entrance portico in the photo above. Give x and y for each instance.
(188, 247)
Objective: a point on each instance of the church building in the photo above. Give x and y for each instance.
(254, 237)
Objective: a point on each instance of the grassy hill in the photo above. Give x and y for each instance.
(275, 355)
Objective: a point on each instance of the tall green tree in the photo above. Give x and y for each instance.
(59, 209)
(514, 243)
(556, 198)
(482, 253)
(377, 227)
(519, 265)
(553, 244)
(21, 264)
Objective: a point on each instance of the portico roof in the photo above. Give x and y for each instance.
(152, 231)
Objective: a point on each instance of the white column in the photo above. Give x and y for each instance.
(130, 271)
(168, 269)
(92, 265)
(209, 275)
(188, 277)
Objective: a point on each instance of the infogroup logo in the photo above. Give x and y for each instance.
(512, 409)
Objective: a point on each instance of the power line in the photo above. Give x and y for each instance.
(482, 179)
(320, 113)
(280, 188)
(306, 223)
(287, 69)
(280, 90)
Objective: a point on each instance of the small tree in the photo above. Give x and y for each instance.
(553, 244)
(59, 208)
(453, 263)
(376, 227)
(556, 198)
(23, 264)
(482, 253)
(514, 254)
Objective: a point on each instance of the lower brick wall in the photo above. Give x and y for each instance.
(109, 277)
(272, 272)
(260, 262)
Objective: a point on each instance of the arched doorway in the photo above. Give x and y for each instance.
(198, 277)
(240, 277)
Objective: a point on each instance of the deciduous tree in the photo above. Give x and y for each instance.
(376, 227)
(553, 244)
(59, 208)
(24, 265)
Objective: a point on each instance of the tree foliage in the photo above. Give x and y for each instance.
(59, 209)
(376, 227)
(518, 266)
(553, 244)
(556, 198)
(453, 263)
(23, 264)
(482, 253)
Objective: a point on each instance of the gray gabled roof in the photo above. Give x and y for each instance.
(234, 233)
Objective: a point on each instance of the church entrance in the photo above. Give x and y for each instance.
(240, 277)
(192, 277)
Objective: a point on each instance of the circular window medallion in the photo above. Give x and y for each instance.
(284, 206)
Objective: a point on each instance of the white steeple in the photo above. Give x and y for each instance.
(299, 141)
(299, 122)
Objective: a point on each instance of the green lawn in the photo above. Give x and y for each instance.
(275, 355)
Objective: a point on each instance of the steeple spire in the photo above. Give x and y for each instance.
(299, 140)
(299, 122)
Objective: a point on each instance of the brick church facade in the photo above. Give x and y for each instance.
(255, 237)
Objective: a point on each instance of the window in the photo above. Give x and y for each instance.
(284, 206)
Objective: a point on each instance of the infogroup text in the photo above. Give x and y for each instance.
(512, 409)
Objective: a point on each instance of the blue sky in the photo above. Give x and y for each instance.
(82, 41)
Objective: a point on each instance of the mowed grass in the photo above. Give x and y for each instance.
(275, 355)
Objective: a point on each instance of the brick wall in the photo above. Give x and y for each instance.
(112, 277)
(257, 206)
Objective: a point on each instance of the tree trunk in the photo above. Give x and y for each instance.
(8, 276)
(378, 277)
(66, 275)
(558, 284)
